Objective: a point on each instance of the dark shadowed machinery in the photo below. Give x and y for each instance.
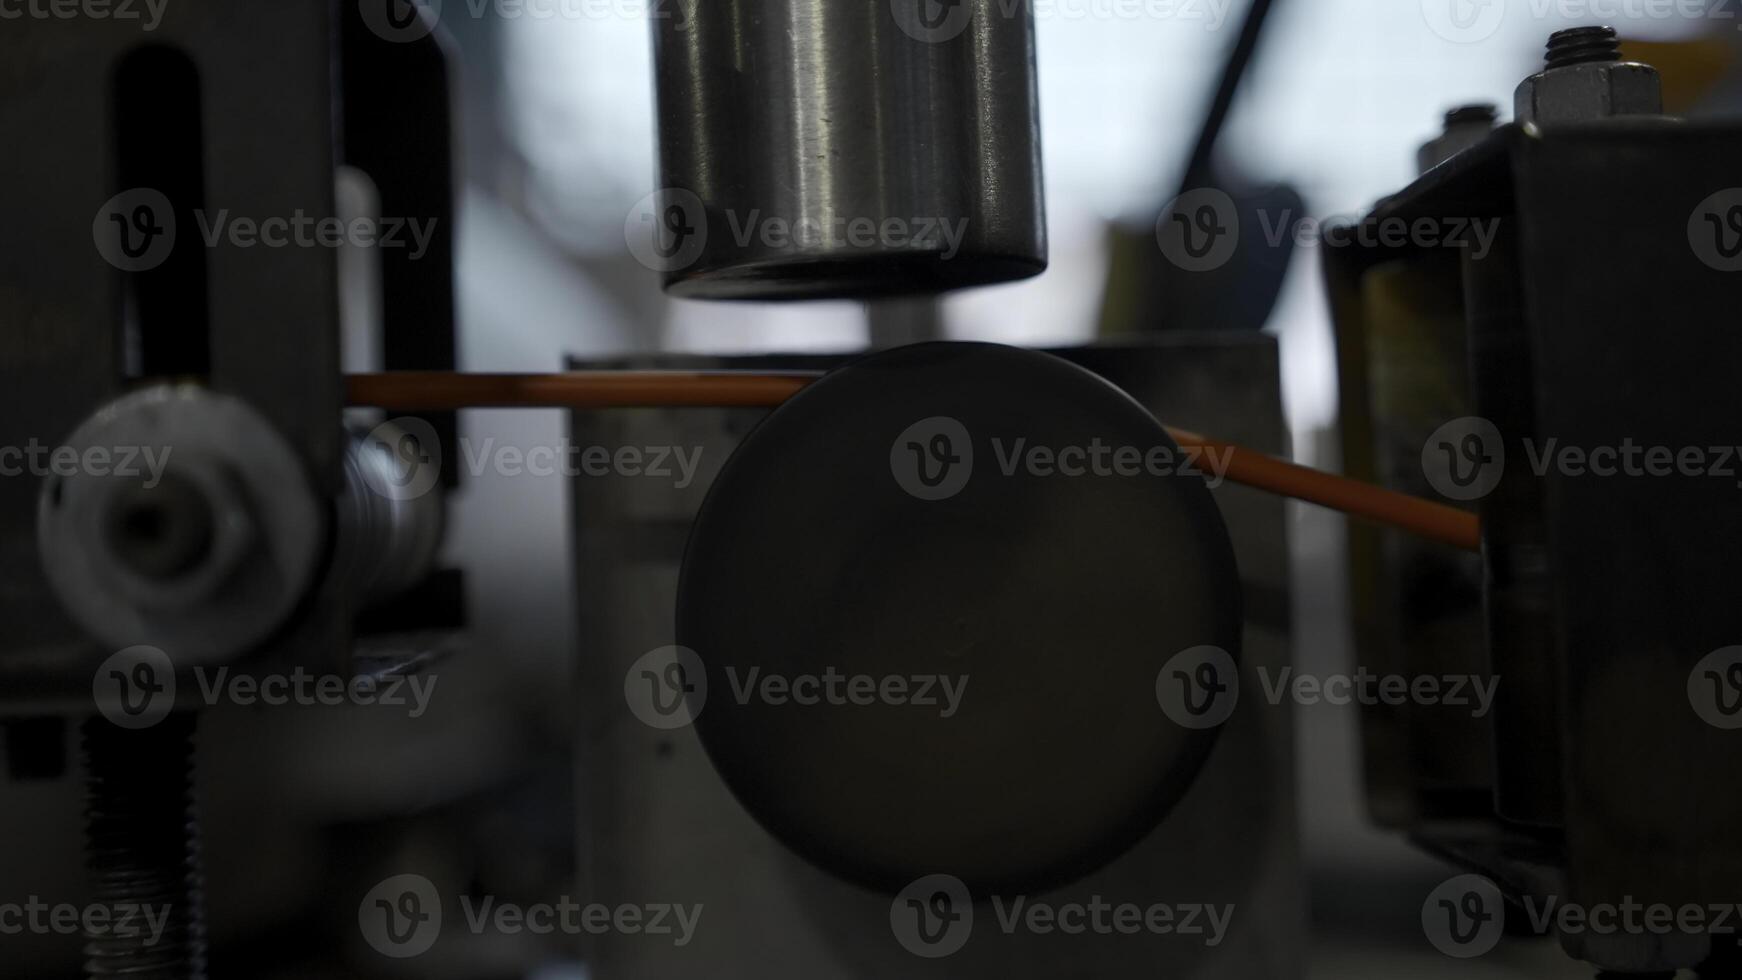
(950, 653)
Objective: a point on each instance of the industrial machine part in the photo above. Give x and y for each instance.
(128, 332)
(977, 516)
(205, 558)
(813, 148)
(1465, 127)
(1586, 79)
(661, 820)
(1603, 594)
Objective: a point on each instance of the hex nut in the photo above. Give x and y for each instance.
(1588, 93)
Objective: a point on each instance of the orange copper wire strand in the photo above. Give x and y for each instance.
(447, 391)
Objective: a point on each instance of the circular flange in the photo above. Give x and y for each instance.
(932, 594)
(197, 534)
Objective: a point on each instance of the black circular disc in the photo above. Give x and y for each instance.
(1002, 522)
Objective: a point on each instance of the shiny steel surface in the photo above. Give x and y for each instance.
(846, 148)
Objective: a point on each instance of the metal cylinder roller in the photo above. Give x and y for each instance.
(844, 148)
(391, 515)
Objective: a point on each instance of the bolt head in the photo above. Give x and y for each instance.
(1589, 92)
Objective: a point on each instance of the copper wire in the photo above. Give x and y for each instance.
(447, 391)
